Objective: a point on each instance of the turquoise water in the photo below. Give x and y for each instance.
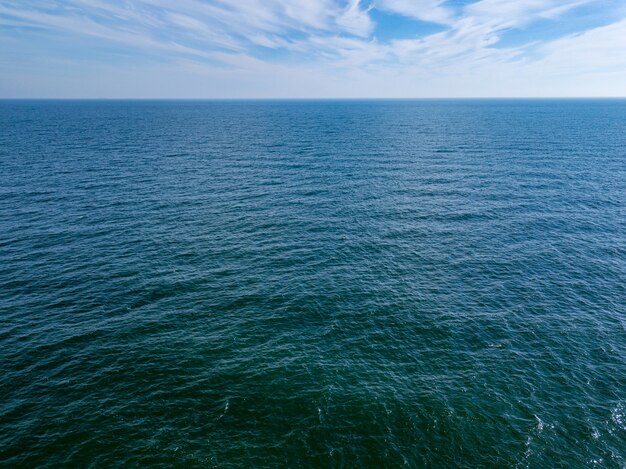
(313, 284)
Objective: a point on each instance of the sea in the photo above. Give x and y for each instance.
(334, 284)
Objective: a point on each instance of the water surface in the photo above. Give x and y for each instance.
(328, 284)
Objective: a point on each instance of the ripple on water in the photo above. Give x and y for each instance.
(313, 284)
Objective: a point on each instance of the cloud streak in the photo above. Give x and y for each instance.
(335, 41)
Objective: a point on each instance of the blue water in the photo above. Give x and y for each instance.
(313, 284)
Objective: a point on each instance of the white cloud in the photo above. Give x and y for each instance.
(424, 10)
(597, 50)
(330, 47)
(355, 19)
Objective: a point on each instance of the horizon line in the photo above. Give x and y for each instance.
(429, 98)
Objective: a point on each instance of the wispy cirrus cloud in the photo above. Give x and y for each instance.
(425, 10)
(333, 40)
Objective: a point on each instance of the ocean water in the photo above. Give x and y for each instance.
(313, 284)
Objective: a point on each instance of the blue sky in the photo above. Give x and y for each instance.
(311, 48)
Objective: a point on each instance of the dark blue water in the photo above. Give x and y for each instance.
(326, 284)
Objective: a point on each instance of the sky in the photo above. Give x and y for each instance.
(312, 48)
